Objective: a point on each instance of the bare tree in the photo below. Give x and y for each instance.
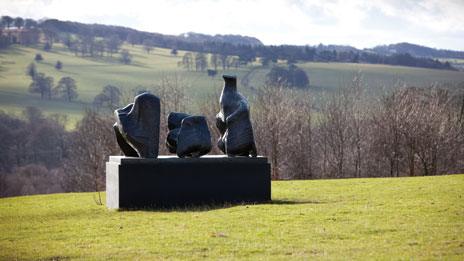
(272, 114)
(171, 91)
(209, 107)
(386, 136)
(200, 61)
(334, 131)
(214, 60)
(109, 97)
(358, 123)
(223, 58)
(303, 149)
(187, 61)
(91, 143)
(437, 132)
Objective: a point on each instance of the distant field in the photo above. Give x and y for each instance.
(376, 77)
(352, 219)
(92, 74)
(457, 63)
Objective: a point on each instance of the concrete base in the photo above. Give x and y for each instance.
(169, 181)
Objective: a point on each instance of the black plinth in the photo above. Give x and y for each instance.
(169, 181)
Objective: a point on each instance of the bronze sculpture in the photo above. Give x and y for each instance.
(137, 126)
(188, 136)
(233, 122)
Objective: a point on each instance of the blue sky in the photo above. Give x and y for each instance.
(360, 23)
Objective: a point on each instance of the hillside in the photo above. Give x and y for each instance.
(226, 38)
(92, 74)
(383, 218)
(245, 48)
(417, 50)
(161, 40)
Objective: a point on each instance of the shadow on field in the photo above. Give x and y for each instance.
(112, 61)
(209, 207)
(295, 202)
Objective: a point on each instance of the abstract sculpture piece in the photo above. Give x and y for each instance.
(126, 149)
(188, 136)
(174, 123)
(137, 126)
(233, 122)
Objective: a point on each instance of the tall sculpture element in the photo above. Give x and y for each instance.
(233, 122)
(188, 136)
(137, 126)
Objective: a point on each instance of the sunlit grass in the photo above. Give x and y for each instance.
(382, 218)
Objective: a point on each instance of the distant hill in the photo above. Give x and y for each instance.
(227, 38)
(161, 40)
(197, 41)
(337, 48)
(245, 48)
(416, 50)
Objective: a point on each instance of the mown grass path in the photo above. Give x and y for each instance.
(383, 218)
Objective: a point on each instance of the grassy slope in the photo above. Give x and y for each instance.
(92, 74)
(385, 218)
(375, 76)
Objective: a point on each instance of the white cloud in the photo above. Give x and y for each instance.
(361, 23)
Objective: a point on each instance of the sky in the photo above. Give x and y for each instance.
(359, 23)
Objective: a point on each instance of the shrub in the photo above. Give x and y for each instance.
(58, 65)
(290, 76)
(38, 57)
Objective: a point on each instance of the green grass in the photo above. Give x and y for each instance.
(384, 218)
(376, 77)
(146, 70)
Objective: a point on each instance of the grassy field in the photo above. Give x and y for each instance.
(146, 70)
(384, 218)
(92, 75)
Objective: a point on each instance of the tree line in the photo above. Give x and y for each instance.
(199, 61)
(42, 84)
(343, 134)
(95, 39)
(406, 132)
(27, 31)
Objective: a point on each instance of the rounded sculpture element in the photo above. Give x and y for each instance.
(137, 126)
(174, 123)
(188, 136)
(233, 122)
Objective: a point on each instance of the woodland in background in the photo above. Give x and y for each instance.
(344, 134)
(95, 40)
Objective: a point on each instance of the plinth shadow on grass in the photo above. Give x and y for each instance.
(295, 202)
(212, 206)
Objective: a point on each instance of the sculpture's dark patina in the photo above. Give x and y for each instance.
(188, 136)
(125, 147)
(174, 123)
(233, 122)
(137, 126)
